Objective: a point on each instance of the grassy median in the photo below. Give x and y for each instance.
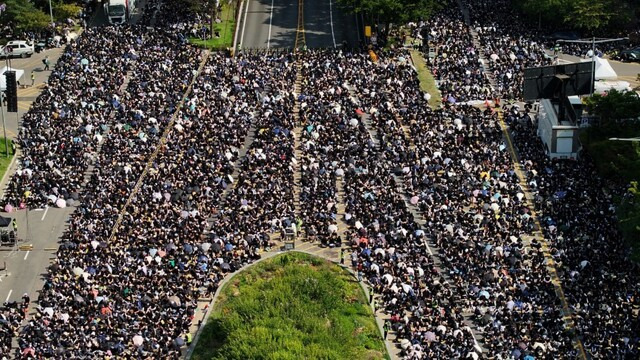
(5, 160)
(293, 306)
(427, 82)
(225, 28)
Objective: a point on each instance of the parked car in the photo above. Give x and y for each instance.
(44, 44)
(629, 55)
(17, 48)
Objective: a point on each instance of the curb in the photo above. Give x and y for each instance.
(235, 33)
(11, 169)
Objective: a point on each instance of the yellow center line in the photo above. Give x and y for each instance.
(551, 268)
(300, 33)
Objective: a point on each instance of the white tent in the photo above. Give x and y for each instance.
(604, 86)
(604, 71)
(3, 80)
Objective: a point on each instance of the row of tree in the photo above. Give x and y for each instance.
(33, 15)
(394, 11)
(590, 16)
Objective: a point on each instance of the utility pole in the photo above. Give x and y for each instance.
(593, 43)
(51, 12)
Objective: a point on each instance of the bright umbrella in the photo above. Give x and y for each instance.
(388, 278)
(431, 336)
(61, 203)
(137, 340)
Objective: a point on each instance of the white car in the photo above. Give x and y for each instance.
(17, 48)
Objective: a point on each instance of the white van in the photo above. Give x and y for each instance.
(16, 48)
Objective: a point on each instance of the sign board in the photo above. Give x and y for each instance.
(367, 31)
(549, 82)
(289, 245)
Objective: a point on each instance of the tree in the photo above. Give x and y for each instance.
(614, 106)
(545, 10)
(393, 11)
(24, 15)
(63, 11)
(590, 14)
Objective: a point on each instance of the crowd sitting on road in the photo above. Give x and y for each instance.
(11, 316)
(133, 281)
(436, 217)
(58, 135)
(127, 134)
(456, 66)
(601, 285)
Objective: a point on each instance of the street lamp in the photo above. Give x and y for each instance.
(593, 43)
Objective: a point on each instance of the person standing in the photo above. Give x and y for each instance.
(33, 78)
(46, 62)
(385, 328)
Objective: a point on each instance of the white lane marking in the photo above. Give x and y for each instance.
(25, 255)
(270, 21)
(244, 24)
(9, 295)
(331, 19)
(45, 213)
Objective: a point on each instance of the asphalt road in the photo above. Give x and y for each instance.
(273, 24)
(25, 268)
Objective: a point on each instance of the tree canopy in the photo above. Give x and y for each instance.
(394, 11)
(587, 15)
(24, 16)
(614, 105)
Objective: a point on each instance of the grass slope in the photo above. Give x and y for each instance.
(294, 306)
(5, 161)
(226, 28)
(427, 82)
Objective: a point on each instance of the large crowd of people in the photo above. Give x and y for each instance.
(182, 168)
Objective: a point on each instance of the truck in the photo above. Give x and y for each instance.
(119, 11)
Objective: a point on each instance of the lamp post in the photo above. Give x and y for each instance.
(593, 43)
(50, 11)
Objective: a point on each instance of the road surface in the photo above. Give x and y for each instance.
(25, 268)
(273, 24)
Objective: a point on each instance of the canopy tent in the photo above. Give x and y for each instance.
(3, 79)
(604, 71)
